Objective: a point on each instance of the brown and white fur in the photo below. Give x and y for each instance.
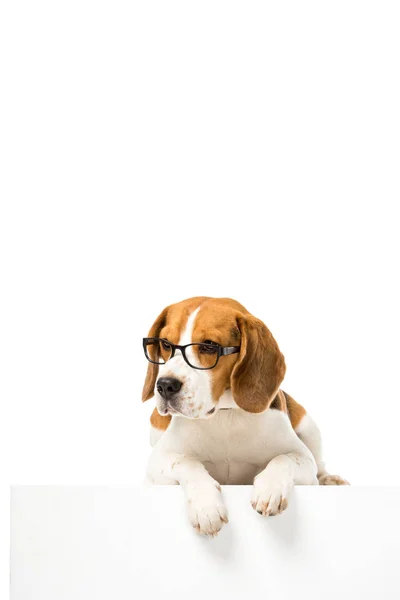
(266, 438)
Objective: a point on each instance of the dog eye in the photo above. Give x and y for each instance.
(208, 347)
(166, 345)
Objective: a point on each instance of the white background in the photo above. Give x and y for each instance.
(152, 151)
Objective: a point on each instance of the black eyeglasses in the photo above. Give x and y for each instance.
(158, 351)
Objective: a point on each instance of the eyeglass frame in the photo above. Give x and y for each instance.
(221, 351)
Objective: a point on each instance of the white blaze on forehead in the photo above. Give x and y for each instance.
(195, 395)
(187, 335)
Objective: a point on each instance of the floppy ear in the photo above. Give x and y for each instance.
(260, 368)
(152, 370)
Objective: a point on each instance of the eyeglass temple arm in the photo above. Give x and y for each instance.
(229, 350)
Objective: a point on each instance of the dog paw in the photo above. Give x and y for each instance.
(327, 479)
(269, 497)
(207, 512)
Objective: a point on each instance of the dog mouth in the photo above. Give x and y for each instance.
(167, 408)
(174, 411)
(170, 410)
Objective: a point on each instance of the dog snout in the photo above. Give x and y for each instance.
(168, 387)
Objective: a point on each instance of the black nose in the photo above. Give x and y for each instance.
(167, 387)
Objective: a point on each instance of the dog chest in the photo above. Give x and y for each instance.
(234, 438)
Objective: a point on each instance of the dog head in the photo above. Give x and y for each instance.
(212, 331)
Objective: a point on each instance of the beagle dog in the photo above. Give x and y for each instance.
(221, 417)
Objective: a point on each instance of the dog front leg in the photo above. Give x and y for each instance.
(206, 509)
(273, 484)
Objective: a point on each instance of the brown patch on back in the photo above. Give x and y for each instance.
(296, 411)
(158, 421)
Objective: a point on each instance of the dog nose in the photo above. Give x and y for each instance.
(167, 387)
